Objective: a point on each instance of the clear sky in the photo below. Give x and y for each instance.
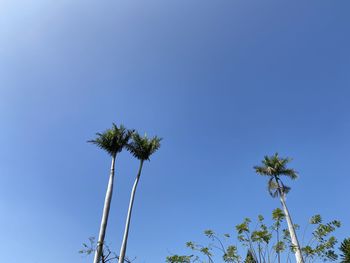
(224, 82)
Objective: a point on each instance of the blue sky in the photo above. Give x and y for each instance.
(223, 82)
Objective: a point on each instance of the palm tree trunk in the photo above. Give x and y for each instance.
(295, 242)
(127, 224)
(107, 205)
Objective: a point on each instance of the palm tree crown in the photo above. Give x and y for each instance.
(142, 147)
(274, 167)
(113, 140)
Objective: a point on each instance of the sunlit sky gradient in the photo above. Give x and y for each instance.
(224, 82)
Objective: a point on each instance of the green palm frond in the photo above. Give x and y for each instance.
(272, 187)
(274, 167)
(262, 170)
(291, 173)
(112, 140)
(345, 249)
(286, 189)
(143, 147)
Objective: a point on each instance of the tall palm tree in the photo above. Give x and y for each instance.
(141, 148)
(275, 167)
(113, 141)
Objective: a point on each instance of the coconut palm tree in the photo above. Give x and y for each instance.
(275, 167)
(141, 148)
(113, 141)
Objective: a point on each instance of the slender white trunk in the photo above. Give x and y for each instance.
(127, 224)
(107, 205)
(293, 236)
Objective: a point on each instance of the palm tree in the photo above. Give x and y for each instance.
(275, 167)
(345, 249)
(141, 148)
(112, 141)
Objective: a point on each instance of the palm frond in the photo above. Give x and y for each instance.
(275, 166)
(272, 187)
(143, 147)
(263, 170)
(286, 189)
(345, 249)
(291, 173)
(112, 140)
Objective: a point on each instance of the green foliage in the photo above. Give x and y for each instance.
(322, 242)
(205, 253)
(249, 258)
(178, 259)
(209, 233)
(278, 216)
(262, 235)
(107, 255)
(204, 250)
(345, 251)
(261, 242)
(279, 247)
(316, 219)
(142, 147)
(231, 254)
(88, 249)
(113, 140)
(275, 167)
(243, 227)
